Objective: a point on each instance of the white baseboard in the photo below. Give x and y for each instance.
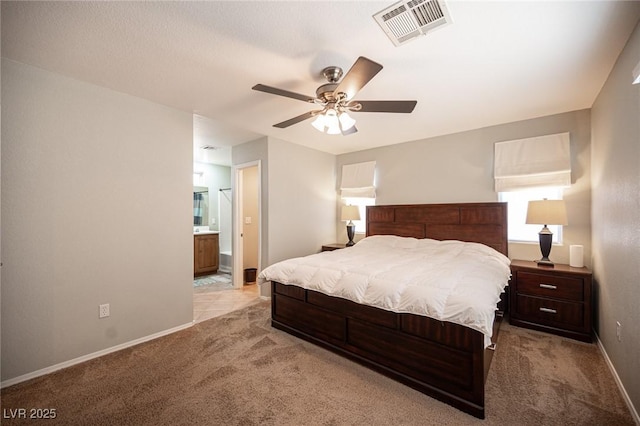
(623, 391)
(84, 358)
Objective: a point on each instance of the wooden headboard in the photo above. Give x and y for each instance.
(484, 223)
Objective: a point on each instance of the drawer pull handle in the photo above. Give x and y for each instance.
(549, 286)
(547, 310)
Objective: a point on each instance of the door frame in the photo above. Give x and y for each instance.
(237, 252)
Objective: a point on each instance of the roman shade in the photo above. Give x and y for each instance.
(357, 180)
(532, 163)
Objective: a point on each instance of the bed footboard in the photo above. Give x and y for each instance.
(441, 359)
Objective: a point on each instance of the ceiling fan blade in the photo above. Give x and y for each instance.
(386, 106)
(281, 92)
(295, 120)
(362, 71)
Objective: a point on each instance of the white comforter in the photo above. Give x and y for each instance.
(450, 281)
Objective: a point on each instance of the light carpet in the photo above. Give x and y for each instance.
(238, 370)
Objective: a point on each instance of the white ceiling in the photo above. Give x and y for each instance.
(498, 62)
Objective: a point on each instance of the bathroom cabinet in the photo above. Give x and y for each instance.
(206, 254)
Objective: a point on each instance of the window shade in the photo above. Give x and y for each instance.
(357, 180)
(533, 162)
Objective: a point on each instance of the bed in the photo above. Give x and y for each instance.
(442, 359)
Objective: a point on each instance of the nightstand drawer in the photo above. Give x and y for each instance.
(550, 312)
(550, 286)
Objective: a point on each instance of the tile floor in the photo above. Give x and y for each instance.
(210, 301)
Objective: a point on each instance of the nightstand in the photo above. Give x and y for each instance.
(332, 247)
(556, 300)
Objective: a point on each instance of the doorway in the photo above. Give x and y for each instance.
(247, 223)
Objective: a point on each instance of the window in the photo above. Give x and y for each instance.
(531, 169)
(357, 189)
(517, 201)
(543, 161)
(362, 203)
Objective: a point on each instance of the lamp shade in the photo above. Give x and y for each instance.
(346, 122)
(331, 122)
(350, 213)
(318, 123)
(547, 212)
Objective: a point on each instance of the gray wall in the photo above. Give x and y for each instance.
(92, 183)
(459, 168)
(302, 200)
(298, 198)
(616, 216)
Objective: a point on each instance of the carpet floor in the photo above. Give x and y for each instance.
(238, 370)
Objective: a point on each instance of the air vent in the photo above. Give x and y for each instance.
(210, 147)
(406, 20)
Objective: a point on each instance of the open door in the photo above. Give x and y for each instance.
(247, 220)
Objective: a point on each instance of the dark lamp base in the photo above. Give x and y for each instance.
(545, 237)
(546, 263)
(351, 232)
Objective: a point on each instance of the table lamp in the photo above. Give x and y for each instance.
(546, 212)
(350, 213)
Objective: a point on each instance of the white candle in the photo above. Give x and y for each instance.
(576, 254)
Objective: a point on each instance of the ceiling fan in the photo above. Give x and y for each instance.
(336, 99)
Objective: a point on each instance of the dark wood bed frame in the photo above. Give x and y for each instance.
(441, 359)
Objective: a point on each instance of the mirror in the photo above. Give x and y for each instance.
(200, 206)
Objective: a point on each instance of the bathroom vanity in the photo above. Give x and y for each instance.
(206, 252)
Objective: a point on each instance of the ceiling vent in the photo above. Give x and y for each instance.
(406, 20)
(210, 147)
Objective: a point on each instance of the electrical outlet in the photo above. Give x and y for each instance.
(104, 311)
(619, 331)
(247, 220)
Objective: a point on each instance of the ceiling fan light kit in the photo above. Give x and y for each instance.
(333, 123)
(336, 99)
